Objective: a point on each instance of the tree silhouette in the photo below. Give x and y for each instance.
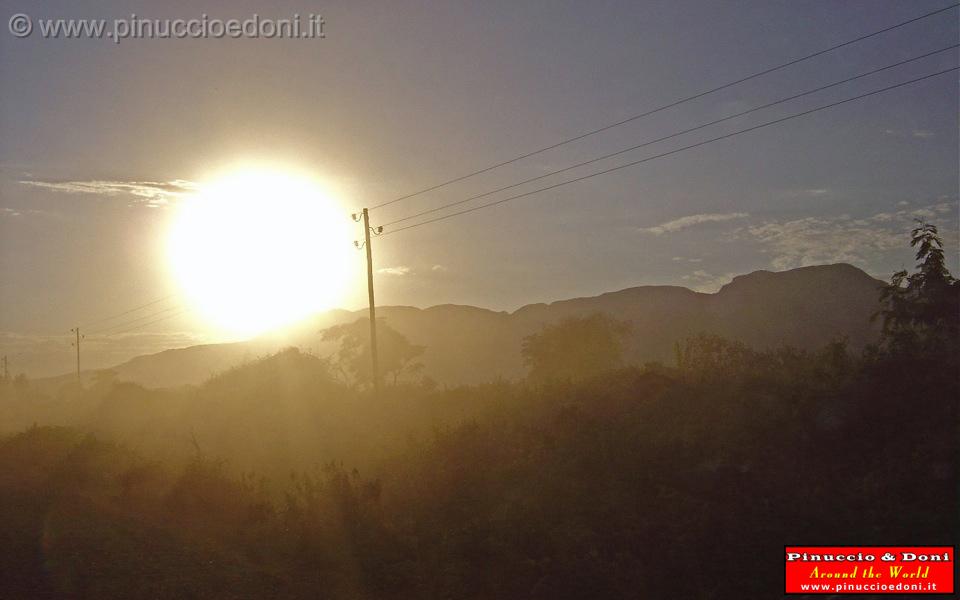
(921, 310)
(575, 348)
(397, 355)
(704, 356)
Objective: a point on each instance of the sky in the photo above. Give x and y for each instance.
(100, 141)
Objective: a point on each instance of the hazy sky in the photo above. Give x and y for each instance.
(401, 95)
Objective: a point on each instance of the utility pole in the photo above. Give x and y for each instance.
(374, 359)
(76, 330)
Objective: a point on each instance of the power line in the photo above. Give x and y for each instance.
(667, 137)
(132, 321)
(132, 310)
(664, 107)
(142, 325)
(176, 314)
(136, 320)
(671, 152)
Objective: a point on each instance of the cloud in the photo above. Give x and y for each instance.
(21, 212)
(926, 212)
(811, 192)
(820, 240)
(923, 134)
(814, 241)
(692, 220)
(706, 282)
(149, 193)
(400, 271)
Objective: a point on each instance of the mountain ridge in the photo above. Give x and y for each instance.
(804, 307)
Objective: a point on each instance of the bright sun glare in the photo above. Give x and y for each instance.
(260, 248)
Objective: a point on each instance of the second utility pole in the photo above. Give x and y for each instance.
(76, 330)
(374, 361)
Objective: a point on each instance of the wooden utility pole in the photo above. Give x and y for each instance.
(374, 359)
(76, 330)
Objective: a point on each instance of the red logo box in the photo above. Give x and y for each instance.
(869, 570)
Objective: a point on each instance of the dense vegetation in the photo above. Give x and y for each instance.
(653, 481)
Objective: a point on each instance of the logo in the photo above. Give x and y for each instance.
(869, 569)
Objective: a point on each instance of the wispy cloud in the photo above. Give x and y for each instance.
(6, 211)
(150, 193)
(908, 215)
(693, 220)
(704, 281)
(810, 192)
(923, 134)
(819, 240)
(814, 241)
(396, 271)
(439, 269)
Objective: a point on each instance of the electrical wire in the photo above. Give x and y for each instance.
(127, 312)
(671, 152)
(133, 321)
(141, 326)
(664, 138)
(664, 107)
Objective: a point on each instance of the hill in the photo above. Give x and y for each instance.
(805, 308)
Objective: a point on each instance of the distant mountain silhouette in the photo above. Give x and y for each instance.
(805, 308)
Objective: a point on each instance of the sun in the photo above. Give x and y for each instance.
(259, 248)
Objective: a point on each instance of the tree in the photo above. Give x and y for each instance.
(104, 379)
(921, 311)
(396, 354)
(707, 356)
(575, 348)
(20, 382)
